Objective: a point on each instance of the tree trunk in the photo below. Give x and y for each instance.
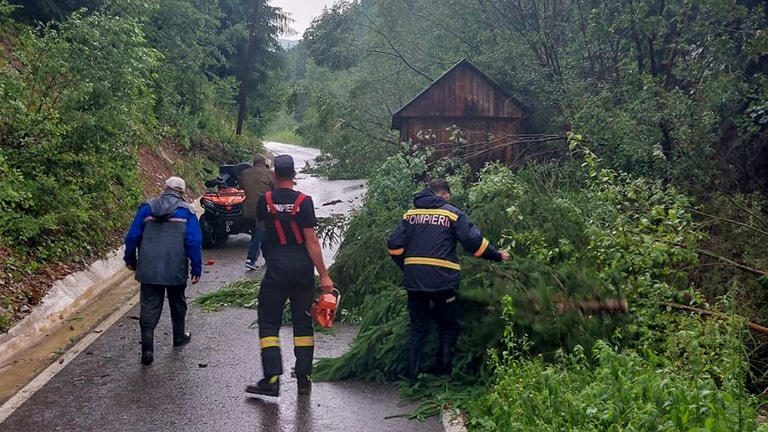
(246, 67)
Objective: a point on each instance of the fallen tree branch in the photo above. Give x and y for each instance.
(733, 263)
(734, 222)
(756, 327)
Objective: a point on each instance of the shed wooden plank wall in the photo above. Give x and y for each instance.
(485, 137)
(466, 98)
(463, 93)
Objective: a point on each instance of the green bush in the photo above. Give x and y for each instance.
(71, 113)
(605, 389)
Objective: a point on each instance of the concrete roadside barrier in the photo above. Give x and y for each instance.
(65, 297)
(74, 306)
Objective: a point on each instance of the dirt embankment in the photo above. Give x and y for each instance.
(154, 167)
(20, 295)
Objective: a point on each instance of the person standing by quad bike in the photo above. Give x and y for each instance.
(292, 251)
(255, 181)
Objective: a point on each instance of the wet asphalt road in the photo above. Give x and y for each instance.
(200, 387)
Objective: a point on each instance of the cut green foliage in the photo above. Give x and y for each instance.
(245, 293)
(241, 293)
(605, 390)
(570, 243)
(578, 232)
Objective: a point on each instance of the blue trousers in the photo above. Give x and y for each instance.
(256, 236)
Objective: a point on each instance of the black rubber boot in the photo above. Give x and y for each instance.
(182, 340)
(304, 383)
(180, 337)
(414, 362)
(147, 346)
(266, 387)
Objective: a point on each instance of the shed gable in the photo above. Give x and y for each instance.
(462, 92)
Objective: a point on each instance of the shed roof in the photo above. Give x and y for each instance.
(464, 63)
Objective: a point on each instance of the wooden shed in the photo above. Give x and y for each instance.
(463, 113)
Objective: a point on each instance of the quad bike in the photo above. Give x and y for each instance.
(223, 205)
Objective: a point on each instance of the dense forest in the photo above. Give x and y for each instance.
(652, 192)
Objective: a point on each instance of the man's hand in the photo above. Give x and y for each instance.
(326, 284)
(130, 267)
(504, 255)
(195, 279)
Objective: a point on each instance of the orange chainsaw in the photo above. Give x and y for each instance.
(324, 309)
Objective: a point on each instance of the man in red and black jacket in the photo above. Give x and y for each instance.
(292, 251)
(424, 246)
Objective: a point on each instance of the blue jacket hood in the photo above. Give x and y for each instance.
(427, 199)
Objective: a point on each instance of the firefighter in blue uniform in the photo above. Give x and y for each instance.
(424, 246)
(292, 252)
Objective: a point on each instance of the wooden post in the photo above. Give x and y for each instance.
(593, 307)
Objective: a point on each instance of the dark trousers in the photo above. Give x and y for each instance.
(422, 308)
(152, 307)
(272, 298)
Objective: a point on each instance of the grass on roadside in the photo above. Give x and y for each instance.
(245, 293)
(284, 136)
(283, 130)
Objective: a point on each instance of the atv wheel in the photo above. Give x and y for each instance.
(221, 238)
(208, 230)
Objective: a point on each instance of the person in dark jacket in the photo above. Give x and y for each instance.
(292, 251)
(167, 235)
(424, 246)
(255, 181)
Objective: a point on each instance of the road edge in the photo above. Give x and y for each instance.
(42, 379)
(65, 296)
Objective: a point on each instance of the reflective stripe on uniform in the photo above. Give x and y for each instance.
(303, 341)
(397, 252)
(483, 246)
(439, 212)
(269, 342)
(433, 262)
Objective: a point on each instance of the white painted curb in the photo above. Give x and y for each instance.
(65, 297)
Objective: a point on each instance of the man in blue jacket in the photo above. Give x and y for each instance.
(424, 246)
(167, 235)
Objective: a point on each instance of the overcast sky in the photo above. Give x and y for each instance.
(302, 12)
